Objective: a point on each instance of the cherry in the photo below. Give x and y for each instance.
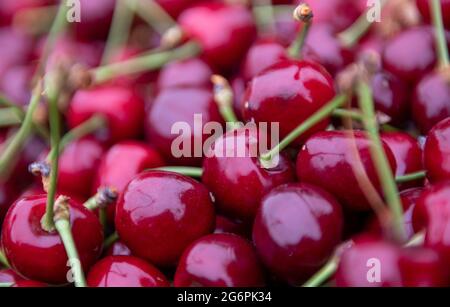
(238, 183)
(424, 8)
(407, 153)
(125, 271)
(186, 73)
(436, 152)
(431, 101)
(19, 48)
(327, 160)
(296, 230)
(9, 9)
(118, 248)
(238, 85)
(288, 93)
(9, 275)
(175, 7)
(122, 107)
(410, 65)
(8, 194)
(121, 164)
(226, 225)
(40, 255)
(29, 284)
(224, 32)
(175, 105)
(219, 260)
(94, 15)
(160, 213)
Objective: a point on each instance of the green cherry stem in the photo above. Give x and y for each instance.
(3, 260)
(148, 62)
(441, 42)
(103, 198)
(110, 240)
(9, 117)
(62, 225)
(381, 162)
(411, 177)
(195, 172)
(6, 284)
(153, 14)
(303, 14)
(223, 95)
(314, 119)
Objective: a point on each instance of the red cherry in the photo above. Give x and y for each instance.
(175, 7)
(238, 85)
(437, 152)
(296, 230)
(176, 105)
(40, 255)
(225, 32)
(9, 275)
(288, 93)
(424, 8)
(407, 153)
(122, 107)
(327, 160)
(410, 65)
(160, 213)
(94, 15)
(239, 183)
(431, 101)
(29, 284)
(8, 194)
(219, 260)
(125, 271)
(187, 73)
(118, 248)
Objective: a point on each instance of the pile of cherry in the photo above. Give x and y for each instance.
(360, 195)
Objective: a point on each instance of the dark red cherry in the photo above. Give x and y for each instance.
(219, 260)
(186, 73)
(238, 85)
(9, 9)
(29, 284)
(437, 152)
(431, 101)
(424, 8)
(370, 262)
(175, 7)
(40, 255)
(118, 248)
(160, 213)
(8, 194)
(9, 275)
(288, 93)
(407, 63)
(296, 230)
(408, 155)
(224, 32)
(121, 164)
(261, 55)
(95, 18)
(226, 225)
(125, 271)
(181, 105)
(328, 160)
(122, 107)
(238, 182)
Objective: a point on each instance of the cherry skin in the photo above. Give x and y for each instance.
(407, 153)
(437, 152)
(8, 194)
(327, 159)
(289, 92)
(219, 260)
(431, 101)
(424, 8)
(125, 271)
(118, 248)
(9, 275)
(160, 213)
(175, 105)
(224, 32)
(95, 15)
(186, 73)
(40, 255)
(238, 183)
(296, 229)
(121, 164)
(122, 107)
(406, 63)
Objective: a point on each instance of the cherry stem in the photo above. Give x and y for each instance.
(195, 172)
(3, 260)
(6, 284)
(264, 14)
(9, 117)
(314, 119)
(110, 240)
(148, 62)
(62, 225)
(153, 14)
(441, 42)
(223, 95)
(351, 36)
(411, 177)
(303, 14)
(16, 143)
(380, 160)
(103, 198)
(120, 28)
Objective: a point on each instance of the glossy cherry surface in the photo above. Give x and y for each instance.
(437, 152)
(181, 105)
(186, 73)
(238, 182)
(40, 255)
(29, 284)
(224, 31)
(219, 260)
(121, 106)
(125, 271)
(424, 8)
(408, 155)
(296, 230)
(160, 213)
(328, 160)
(288, 93)
(431, 101)
(9, 275)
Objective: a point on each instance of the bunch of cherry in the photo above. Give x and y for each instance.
(355, 193)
